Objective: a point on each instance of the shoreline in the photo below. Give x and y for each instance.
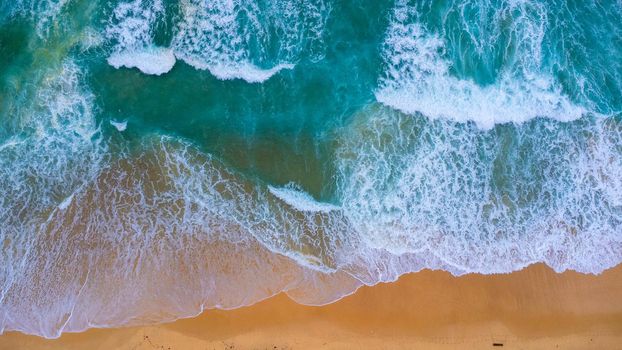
(534, 308)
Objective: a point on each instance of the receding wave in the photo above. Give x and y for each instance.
(300, 200)
(169, 232)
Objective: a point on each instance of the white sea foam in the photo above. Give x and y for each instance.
(211, 37)
(482, 201)
(153, 60)
(170, 232)
(65, 203)
(11, 142)
(131, 28)
(119, 125)
(230, 38)
(300, 200)
(228, 71)
(45, 12)
(170, 217)
(132, 23)
(58, 152)
(90, 39)
(417, 76)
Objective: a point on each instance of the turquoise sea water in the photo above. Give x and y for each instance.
(162, 157)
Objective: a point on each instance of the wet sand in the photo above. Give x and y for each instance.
(535, 308)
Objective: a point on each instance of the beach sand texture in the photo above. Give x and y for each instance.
(535, 308)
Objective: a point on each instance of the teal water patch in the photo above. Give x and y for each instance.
(292, 112)
(161, 157)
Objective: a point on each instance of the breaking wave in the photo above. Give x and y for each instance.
(232, 39)
(423, 63)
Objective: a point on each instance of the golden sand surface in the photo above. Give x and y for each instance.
(535, 308)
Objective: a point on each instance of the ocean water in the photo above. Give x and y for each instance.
(163, 157)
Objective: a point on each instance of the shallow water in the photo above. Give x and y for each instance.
(162, 157)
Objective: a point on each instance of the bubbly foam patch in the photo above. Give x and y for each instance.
(57, 150)
(45, 12)
(300, 200)
(119, 125)
(229, 71)
(485, 201)
(159, 230)
(154, 60)
(418, 76)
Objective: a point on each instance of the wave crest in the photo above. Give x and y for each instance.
(418, 75)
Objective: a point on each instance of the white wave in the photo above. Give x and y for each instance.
(170, 217)
(230, 38)
(211, 37)
(423, 195)
(153, 60)
(131, 28)
(235, 70)
(417, 77)
(132, 23)
(11, 142)
(45, 12)
(90, 38)
(300, 200)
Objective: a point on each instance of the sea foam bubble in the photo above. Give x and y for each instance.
(153, 60)
(119, 125)
(300, 200)
(59, 150)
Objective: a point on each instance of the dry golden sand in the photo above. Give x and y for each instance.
(531, 309)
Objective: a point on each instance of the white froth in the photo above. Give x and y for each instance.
(65, 203)
(120, 126)
(245, 71)
(58, 152)
(301, 200)
(132, 23)
(416, 193)
(154, 60)
(45, 12)
(481, 201)
(417, 78)
(221, 36)
(131, 28)
(11, 142)
(90, 38)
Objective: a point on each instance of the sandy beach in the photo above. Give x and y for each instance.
(535, 308)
